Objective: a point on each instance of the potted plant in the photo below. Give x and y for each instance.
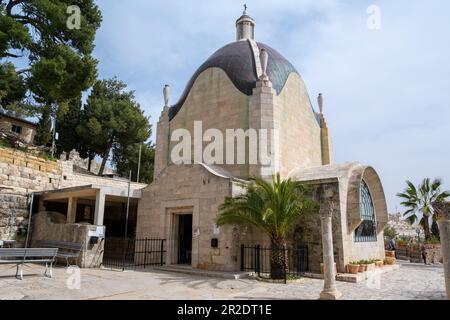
(389, 260)
(370, 265)
(390, 253)
(362, 266)
(378, 263)
(353, 267)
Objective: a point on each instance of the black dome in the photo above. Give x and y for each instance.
(237, 60)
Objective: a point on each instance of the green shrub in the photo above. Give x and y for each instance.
(433, 240)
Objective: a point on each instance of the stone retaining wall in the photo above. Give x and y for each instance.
(414, 254)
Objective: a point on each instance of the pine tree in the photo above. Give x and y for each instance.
(43, 133)
(111, 117)
(66, 128)
(51, 58)
(126, 158)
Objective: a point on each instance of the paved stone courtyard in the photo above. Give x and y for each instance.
(411, 281)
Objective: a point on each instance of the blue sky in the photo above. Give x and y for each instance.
(387, 91)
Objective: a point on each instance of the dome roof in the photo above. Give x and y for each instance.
(237, 61)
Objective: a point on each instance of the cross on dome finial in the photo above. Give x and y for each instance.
(245, 26)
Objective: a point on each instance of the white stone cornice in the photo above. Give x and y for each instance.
(256, 58)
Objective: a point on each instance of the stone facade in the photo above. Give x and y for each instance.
(299, 128)
(290, 113)
(190, 189)
(28, 129)
(215, 101)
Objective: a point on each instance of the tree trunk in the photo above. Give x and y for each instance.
(426, 228)
(277, 258)
(90, 157)
(105, 158)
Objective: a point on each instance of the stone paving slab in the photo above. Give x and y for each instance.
(411, 281)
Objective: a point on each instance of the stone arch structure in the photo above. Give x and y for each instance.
(370, 176)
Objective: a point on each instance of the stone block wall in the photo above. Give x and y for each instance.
(13, 215)
(216, 102)
(298, 127)
(414, 253)
(52, 226)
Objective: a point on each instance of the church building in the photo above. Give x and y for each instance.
(248, 90)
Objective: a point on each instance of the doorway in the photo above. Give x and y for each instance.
(184, 238)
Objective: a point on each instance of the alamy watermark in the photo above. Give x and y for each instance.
(374, 19)
(73, 282)
(229, 146)
(74, 18)
(374, 280)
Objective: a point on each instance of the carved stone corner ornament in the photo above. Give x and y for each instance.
(166, 92)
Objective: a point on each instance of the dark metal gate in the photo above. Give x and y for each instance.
(257, 259)
(132, 253)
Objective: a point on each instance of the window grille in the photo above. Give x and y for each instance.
(367, 230)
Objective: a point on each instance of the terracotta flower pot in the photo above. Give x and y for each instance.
(379, 263)
(353, 268)
(390, 254)
(362, 268)
(389, 260)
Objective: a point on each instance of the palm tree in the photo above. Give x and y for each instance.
(418, 202)
(273, 208)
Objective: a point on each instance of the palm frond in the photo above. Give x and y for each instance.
(271, 206)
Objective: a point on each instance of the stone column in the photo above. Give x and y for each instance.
(329, 291)
(443, 211)
(71, 210)
(262, 118)
(99, 207)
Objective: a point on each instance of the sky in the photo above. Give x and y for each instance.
(386, 90)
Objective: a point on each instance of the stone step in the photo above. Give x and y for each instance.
(358, 277)
(204, 273)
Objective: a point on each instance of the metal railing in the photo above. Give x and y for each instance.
(257, 259)
(132, 253)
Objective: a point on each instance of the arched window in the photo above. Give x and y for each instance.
(367, 230)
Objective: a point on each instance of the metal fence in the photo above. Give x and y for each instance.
(126, 254)
(257, 259)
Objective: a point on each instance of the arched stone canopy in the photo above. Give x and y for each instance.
(370, 176)
(345, 182)
(350, 176)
